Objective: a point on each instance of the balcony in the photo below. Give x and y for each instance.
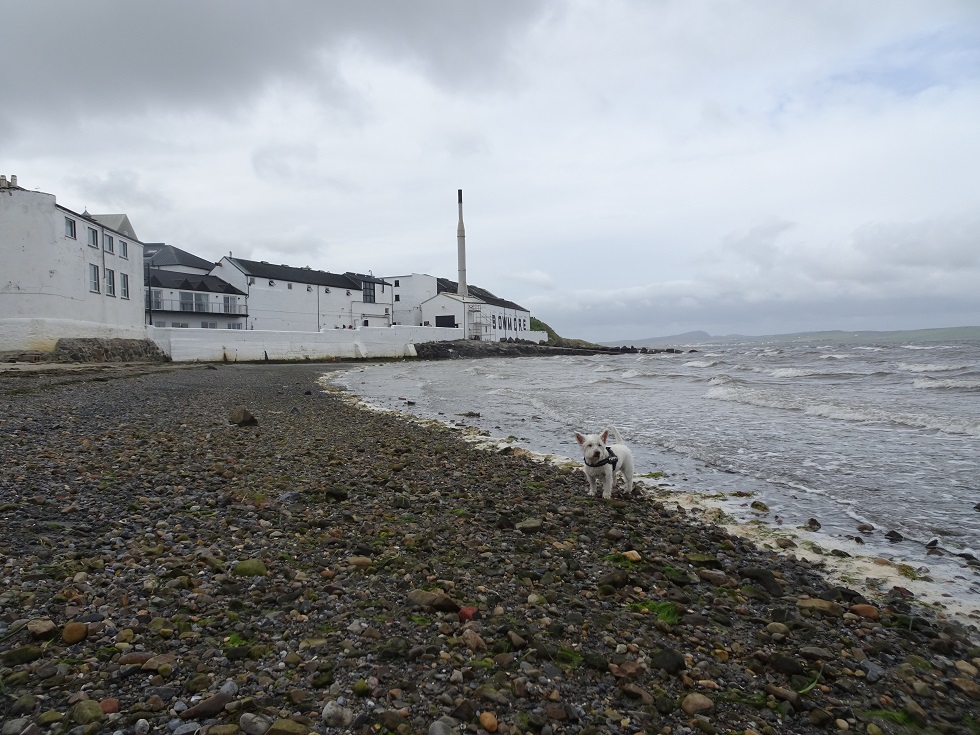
(197, 307)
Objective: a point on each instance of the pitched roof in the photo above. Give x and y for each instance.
(366, 279)
(296, 275)
(118, 222)
(191, 282)
(444, 285)
(160, 254)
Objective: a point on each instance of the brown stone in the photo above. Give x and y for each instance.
(694, 703)
(74, 633)
(823, 607)
(869, 612)
(41, 629)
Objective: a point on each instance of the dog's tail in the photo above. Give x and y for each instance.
(615, 434)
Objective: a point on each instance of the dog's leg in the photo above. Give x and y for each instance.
(607, 483)
(592, 485)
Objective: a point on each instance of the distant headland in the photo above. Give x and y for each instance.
(832, 336)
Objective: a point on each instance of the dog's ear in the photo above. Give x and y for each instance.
(580, 438)
(605, 436)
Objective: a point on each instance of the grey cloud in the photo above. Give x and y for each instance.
(103, 57)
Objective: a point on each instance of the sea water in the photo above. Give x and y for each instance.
(884, 435)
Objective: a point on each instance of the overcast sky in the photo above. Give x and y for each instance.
(630, 168)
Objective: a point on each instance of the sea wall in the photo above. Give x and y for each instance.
(42, 335)
(233, 345)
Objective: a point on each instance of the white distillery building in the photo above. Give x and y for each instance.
(65, 274)
(289, 299)
(423, 300)
(181, 293)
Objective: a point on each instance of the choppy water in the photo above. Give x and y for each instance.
(886, 435)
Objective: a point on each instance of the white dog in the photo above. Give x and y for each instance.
(602, 461)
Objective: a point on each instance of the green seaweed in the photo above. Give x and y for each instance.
(666, 611)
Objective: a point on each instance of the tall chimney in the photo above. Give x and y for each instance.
(461, 250)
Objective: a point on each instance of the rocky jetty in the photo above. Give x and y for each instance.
(477, 348)
(324, 568)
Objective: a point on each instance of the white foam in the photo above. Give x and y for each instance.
(701, 363)
(913, 367)
(871, 575)
(792, 373)
(949, 384)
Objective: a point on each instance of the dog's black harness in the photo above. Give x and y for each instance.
(610, 459)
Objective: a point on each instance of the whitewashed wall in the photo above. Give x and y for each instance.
(412, 290)
(41, 335)
(45, 274)
(209, 345)
(294, 306)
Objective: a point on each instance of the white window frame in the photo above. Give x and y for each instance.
(108, 244)
(124, 249)
(124, 285)
(94, 278)
(209, 325)
(70, 228)
(233, 325)
(110, 282)
(93, 237)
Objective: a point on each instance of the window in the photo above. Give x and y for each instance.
(230, 305)
(179, 325)
(368, 291)
(209, 325)
(289, 286)
(107, 243)
(93, 238)
(397, 297)
(69, 227)
(93, 278)
(251, 281)
(124, 285)
(396, 283)
(110, 282)
(123, 249)
(201, 302)
(233, 325)
(365, 322)
(186, 301)
(157, 299)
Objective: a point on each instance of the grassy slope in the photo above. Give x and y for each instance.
(557, 341)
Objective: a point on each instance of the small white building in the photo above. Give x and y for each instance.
(65, 274)
(288, 299)
(181, 293)
(423, 300)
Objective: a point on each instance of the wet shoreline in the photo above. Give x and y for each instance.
(333, 569)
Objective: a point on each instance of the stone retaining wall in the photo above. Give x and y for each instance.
(106, 350)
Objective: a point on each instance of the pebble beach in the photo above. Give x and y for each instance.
(243, 549)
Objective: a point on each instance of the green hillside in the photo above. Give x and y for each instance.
(557, 341)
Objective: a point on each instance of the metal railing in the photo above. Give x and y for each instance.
(196, 307)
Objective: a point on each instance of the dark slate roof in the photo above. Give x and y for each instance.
(360, 277)
(296, 275)
(191, 282)
(444, 285)
(160, 254)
